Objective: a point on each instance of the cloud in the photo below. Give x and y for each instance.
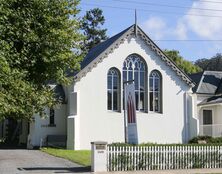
(155, 27)
(158, 29)
(181, 30)
(205, 27)
(189, 25)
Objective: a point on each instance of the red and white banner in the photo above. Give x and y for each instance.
(130, 114)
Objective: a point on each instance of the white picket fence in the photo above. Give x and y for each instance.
(163, 157)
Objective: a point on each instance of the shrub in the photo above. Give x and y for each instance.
(121, 144)
(208, 139)
(216, 140)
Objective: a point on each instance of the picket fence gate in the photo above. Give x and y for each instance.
(163, 157)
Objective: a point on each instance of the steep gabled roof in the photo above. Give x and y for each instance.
(101, 51)
(209, 82)
(97, 50)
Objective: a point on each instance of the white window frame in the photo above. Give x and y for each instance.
(155, 74)
(114, 73)
(130, 64)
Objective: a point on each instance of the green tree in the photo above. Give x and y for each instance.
(187, 66)
(212, 64)
(91, 26)
(39, 41)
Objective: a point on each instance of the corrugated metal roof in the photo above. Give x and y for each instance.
(209, 82)
(97, 50)
(196, 77)
(219, 89)
(211, 100)
(97, 54)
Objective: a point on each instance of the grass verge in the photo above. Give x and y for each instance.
(82, 157)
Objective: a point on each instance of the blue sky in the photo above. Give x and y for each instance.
(193, 27)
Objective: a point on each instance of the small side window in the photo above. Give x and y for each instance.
(155, 88)
(52, 117)
(113, 90)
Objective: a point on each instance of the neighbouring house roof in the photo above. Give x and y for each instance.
(196, 77)
(208, 82)
(102, 50)
(211, 100)
(219, 89)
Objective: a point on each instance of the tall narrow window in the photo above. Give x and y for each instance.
(207, 122)
(51, 116)
(155, 88)
(134, 68)
(113, 88)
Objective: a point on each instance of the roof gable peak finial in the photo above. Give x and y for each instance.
(135, 25)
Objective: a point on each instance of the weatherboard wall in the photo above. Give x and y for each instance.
(95, 122)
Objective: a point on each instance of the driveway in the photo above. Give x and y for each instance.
(34, 161)
(21, 161)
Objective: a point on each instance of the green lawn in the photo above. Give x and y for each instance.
(82, 157)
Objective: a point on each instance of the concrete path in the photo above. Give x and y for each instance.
(35, 161)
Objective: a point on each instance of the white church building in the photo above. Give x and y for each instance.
(168, 108)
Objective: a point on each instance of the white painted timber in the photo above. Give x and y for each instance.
(95, 122)
(40, 128)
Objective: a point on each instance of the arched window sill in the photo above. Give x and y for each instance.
(151, 112)
(110, 111)
(140, 112)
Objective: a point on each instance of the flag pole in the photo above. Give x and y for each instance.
(135, 26)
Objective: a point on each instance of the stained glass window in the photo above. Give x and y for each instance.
(134, 68)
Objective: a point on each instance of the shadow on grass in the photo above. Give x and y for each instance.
(58, 169)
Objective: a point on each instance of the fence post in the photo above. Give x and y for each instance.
(98, 156)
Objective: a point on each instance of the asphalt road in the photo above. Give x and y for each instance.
(34, 161)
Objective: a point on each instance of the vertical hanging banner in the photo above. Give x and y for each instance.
(130, 114)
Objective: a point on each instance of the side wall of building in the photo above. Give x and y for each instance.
(40, 127)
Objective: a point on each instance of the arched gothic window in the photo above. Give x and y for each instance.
(113, 89)
(134, 68)
(155, 88)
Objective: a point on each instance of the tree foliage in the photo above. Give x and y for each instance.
(39, 41)
(91, 26)
(186, 66)
(212, 64)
